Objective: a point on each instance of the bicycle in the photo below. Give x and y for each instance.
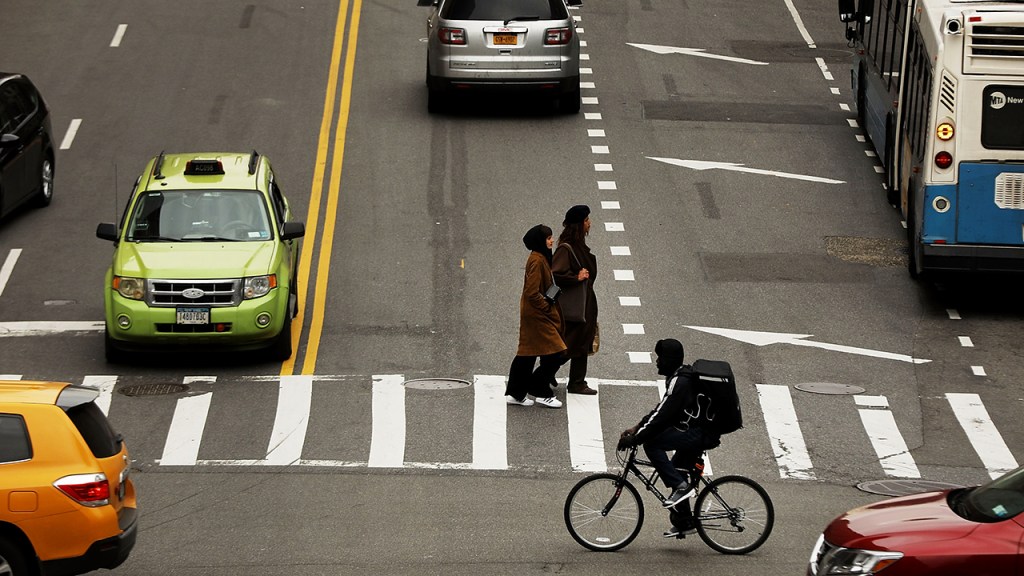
(604, 512)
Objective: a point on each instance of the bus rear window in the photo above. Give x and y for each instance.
(1002, 115)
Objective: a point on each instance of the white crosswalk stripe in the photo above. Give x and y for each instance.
(981, 431)
(885, 437)
(784, 430)
(587, 442)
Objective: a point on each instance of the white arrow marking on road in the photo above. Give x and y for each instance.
(702, 165)
(693, 52)
(766, 338)
(46, 328)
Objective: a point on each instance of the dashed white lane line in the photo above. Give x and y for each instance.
(595, 133)
(586, 71)
(606, 185)
(602, 167)
(965, 341)
(8, 268)
(587, 85)
(629, 300)
(639, 357)
(633, 329)
(624, 275)
(599, 149)
(834, 90)
(590, 100)
(978, 370)
(584, 56)
(953, 314)
(610, 205)
(69, 136)
(118, 35)
(591, 115)
(614, 227)
(824, 69)
(620, 251)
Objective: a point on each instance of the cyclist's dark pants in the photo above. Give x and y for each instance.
(688, 444)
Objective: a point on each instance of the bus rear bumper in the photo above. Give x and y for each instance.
(962, 258)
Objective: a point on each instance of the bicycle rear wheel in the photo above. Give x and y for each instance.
(734, 515)
(603, 513)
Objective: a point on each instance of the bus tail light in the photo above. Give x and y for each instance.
(943, 160)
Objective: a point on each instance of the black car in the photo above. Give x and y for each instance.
(26, 145)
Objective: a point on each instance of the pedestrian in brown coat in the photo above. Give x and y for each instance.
(540, 327)
(573, 263)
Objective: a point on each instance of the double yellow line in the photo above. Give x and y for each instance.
(324, 144)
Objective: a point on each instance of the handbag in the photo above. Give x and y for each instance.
(573, 300)
(551, 294)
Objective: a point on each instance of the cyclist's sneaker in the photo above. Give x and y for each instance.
(551, 402)
(681, 493)
(524, 402)
(683, 531)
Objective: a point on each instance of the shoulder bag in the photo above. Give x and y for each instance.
(574, 299)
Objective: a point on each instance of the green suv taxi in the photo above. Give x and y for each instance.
(205, 255)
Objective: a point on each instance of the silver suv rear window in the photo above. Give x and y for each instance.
(504, 10)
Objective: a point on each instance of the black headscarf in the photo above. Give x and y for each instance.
(536, 239)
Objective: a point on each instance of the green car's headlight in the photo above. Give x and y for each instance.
(131, 288)
(258, 286)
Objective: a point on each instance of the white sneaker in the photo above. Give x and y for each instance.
(551, 402)
(525, 402)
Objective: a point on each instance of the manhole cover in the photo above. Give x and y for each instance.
(153, 389)
(904, 487)
(829, 388)
(436, 383)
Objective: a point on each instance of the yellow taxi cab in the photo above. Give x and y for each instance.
(67, 504)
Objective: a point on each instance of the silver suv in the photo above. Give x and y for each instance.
(503, 45)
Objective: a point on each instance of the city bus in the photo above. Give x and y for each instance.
(939, 87)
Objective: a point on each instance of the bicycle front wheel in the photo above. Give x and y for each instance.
(603, 512)
(734, 515)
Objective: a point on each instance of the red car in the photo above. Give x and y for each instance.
(967, 531)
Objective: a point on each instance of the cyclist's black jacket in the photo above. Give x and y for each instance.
(680, 407)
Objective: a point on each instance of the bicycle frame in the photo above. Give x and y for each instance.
(631, 465)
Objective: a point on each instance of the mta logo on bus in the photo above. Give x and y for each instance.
(997, 100)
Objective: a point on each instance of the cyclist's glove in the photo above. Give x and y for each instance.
(626, 441)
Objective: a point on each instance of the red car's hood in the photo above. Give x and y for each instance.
(896, 523)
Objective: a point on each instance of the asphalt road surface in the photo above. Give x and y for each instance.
(734, 208)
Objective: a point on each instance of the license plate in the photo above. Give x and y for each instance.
(193, 315)
(505, 39)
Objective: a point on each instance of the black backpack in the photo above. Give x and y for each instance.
(715, 380)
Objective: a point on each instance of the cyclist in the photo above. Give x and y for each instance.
(677, 423)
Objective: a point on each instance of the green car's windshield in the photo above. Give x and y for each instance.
(199, 216)
(1000, 499)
